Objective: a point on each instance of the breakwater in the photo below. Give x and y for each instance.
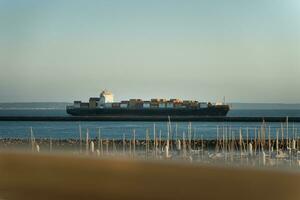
(148, 118)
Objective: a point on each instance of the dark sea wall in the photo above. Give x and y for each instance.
(149, 118)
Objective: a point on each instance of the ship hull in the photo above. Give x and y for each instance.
(210, 111)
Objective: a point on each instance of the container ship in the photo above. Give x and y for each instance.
(104, 105)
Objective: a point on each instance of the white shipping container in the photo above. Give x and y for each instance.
(84, 105)
(203, 105)
(76, 104)
(108, 105)
(123, 105)
(146, 105)
(162, 105)
(170, 105)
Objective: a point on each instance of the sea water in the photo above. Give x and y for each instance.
(109, 130)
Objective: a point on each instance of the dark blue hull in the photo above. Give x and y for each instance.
(210, 111)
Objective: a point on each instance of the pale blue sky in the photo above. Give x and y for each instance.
(248, 51)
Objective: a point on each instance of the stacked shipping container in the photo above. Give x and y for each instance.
(140, 104)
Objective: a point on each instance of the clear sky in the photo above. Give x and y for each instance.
(248, 51)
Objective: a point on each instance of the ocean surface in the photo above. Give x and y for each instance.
(116, 130)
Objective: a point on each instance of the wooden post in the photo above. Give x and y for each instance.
(124, 143)
(99, 137)
(133, 142)
(50, 145)
(87, 142)
(154, 141)
(80, 139)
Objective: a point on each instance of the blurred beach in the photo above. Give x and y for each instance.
(41, 176)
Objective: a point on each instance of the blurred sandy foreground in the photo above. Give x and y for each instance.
(32, 176)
